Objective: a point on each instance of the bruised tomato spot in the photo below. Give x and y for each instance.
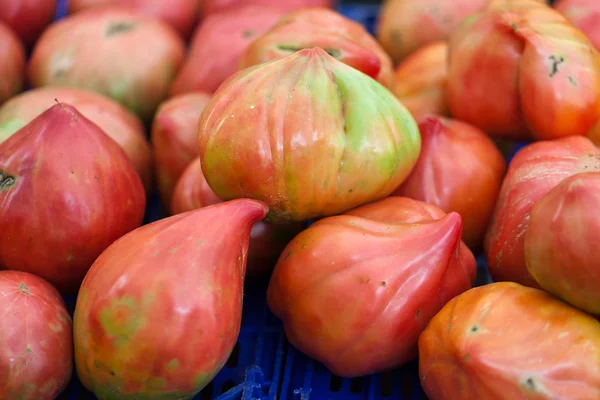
(23, 289)
(6, 180)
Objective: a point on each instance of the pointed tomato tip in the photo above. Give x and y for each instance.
(256, 209)
(430, 124)
(453, 224)
(312, 52)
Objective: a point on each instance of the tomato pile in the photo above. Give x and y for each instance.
(359, 174)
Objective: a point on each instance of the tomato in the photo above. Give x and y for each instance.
(218, 44)
(213, 6)
(175, 139)
(469, 187)
(36, 338)
(115, 120)
(532, 173)
(584, 14)
(308, 135)
(420, 80)
(12, 63)
(340, 37)
(127, 56)
(519, 69)
(507, 341)
(130, 292)
(560, 243)
(355, 292)
(28, 18)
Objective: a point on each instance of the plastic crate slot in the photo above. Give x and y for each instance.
(407, 387)
(227, 385)
(356, 385)
(234, 357)
(387, 384)
(335, 383)
(206, 393)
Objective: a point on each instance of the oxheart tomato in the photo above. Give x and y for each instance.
(36, 336)
(342, 38)
(267, 241)
(12, 63)
(532, 173)
(28, 18)
(519, 69)
(123, 54)
(180, 14)
(420, 80)
(213, 6)
(321, 137)
(121, 351)
(506, 341)
(175, 139)
(67, 191)
(469, 186)
(405, 25)
(584, 14)
(115, 120)
(560, 243)
(218, 44)
(355, 292)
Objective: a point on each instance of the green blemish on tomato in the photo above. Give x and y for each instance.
(6, 180)
(173, 364)
(122, 319)
(8, 128)
(23, 289)
(48, 386)
(116, 28)
(201, 380)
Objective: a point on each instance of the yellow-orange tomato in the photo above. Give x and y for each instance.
(519, 69)
(406, 25)
(506, 341)
(420, 80)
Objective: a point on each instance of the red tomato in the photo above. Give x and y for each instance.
(267, 241)
(506, 341)
(115, 120)
(342, 38)
(218, 44)
(532, 173)
(469, 187)
(186, 273)
(212, 6)
(561, 249)
(355, 292)
(36, 338)
(585, 15)
(420, 80)
(28, 18)
(180, 14)
(175, 139)
(12, 63)
(125, 55)
(512, 75)
(67, 191)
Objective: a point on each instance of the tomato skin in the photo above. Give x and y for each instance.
(584, 14)
(344, 39)
(174, 139)
(532, 173)
(469, 187)
(12, 63)
(404, 26)
(65, 197)
(181, 15)
(36, 338)
(129, 292)
(420, 80)
(267, 241)
(507, 341)
(321, 137)
(218, 44)
(115, 51)
(115, 120)
(27, 18)
(213, 6)
(560, 243)
(518, 69)
(355, 292)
